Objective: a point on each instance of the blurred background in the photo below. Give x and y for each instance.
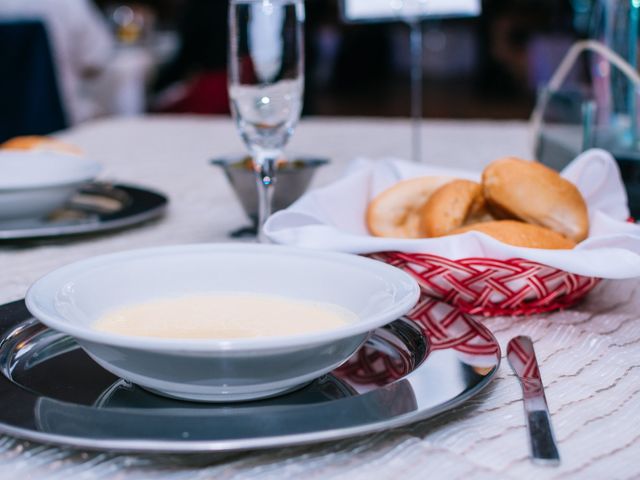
(111, 58)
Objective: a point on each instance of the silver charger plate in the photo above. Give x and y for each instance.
(98, 207)
(52, 392)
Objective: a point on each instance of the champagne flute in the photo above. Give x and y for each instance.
(266, 84)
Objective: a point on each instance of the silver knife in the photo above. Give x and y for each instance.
(522, 359)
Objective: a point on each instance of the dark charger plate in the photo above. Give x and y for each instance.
(52, 392)
(98, 207)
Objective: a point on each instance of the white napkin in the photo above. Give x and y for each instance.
(333, 218)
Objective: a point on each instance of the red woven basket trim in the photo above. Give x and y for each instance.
(459, 287)
(485, 297)
(523, 274)
(478, 278)
(554, 274)
(539, 285)
(427, 284)
(492, 287)
(513, 264)
(516, 298)
(499, 287)
(425, 259)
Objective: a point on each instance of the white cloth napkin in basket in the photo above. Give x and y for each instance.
(333, 218)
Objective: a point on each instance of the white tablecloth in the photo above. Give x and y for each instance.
(590, 355)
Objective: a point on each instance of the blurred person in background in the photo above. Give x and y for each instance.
(195, 80)
(81, 45)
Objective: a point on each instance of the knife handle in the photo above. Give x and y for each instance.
(543, 445)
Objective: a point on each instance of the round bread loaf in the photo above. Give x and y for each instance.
(397, 211)
(453, 205)
(533, 193)
(520, 234)
(40, 143)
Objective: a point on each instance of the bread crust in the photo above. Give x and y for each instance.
(536, 194)
(520, 234)
(453, 205)
(40, 143)
(397, 211)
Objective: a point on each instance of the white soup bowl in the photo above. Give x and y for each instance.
(72, 298)
(34, 184)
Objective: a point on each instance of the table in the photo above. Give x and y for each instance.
(590, 355)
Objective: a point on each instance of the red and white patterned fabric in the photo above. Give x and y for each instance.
(447, 327)
(483, 286)
(444, 326)
(452, 291)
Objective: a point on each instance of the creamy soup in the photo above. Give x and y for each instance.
(224, 316)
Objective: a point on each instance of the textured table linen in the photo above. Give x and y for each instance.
(590, 355)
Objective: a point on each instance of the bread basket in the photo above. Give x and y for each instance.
(472, 272)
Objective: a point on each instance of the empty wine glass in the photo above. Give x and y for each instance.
(266, 83)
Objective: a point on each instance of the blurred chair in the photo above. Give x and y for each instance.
(30, 101)
(195, 80)
(205, 93)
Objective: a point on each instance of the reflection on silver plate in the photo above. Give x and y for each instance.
(96, 208)
(52, 392)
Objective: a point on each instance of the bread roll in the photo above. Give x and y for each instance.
(520, 234)
(397, 212)
(39, 143)
(453, 205)
(536, 194)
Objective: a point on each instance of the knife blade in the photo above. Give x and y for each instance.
(522, 358)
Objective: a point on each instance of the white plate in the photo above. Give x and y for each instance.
(33, 184)
(73, 297)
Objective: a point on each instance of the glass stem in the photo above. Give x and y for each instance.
(417, 88)
(265, 168)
